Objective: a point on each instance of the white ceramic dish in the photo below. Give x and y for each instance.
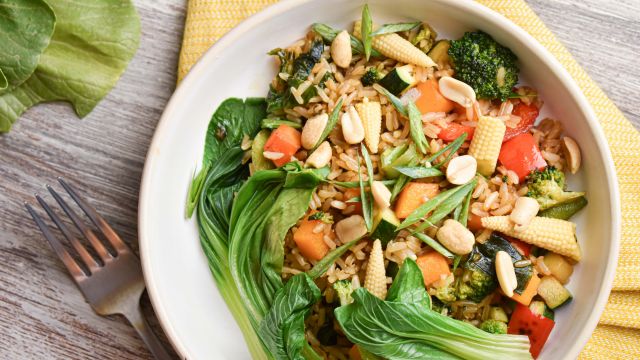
(182, 290)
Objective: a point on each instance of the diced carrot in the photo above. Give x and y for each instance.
(284, 140)
(433, 266)
(412, 196)
(310, 242)
(529, 291)
(350, 194)
(474, 222)
(354, 353)
(454, 130)
(431, 100)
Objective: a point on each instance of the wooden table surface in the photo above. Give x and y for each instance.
(42, 314)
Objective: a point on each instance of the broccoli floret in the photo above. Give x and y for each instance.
(488, 67)
(426, 38)
(494, 326)
(370, 77)
(344, 288)
(322, 216)
(547, 187)
(446, 294)
(477, 287)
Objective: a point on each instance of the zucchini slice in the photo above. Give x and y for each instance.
(398, 80)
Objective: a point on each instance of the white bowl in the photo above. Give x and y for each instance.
(180, 285)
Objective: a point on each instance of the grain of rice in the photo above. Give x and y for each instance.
(541, 267)
(272, 155)
(338, 204)
(477, 209)
(318, 228)
(490, 200)
(284, 76)
(503, 210)
(297, 95)
(483, 236)
(288, 270)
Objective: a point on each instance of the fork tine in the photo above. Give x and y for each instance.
(88, 260)
(88, 233)
(69, 262)
(98, 220)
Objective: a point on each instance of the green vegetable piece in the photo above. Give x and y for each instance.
(418, 172)
(402, 181)
(355, 184)
(475, 285)
(394, 28)
(257, 148)
(565, 210)
(464, 213)
(398, 80)
(452, 148)
(488, 67)
(370, 77)
(541, 309)
(553, 292)
(331, 123)
(498, 313)
(271, 123)
(425, 39)
(547, 187)
(322, 216)
(25, 33)
(403, 155)
(434, 245)
(494, 326)
(449, 204)
(404, 326)
(195, 189)
(366, 29)
(385, 224)
(440, 52)
(415, 122)
(282, 329)
(328, 34)
(395, 101)
(344, 288)
(90, 48)
(365, 196)
(323, 265)
(425, 208)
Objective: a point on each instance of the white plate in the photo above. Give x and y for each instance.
(178, 280)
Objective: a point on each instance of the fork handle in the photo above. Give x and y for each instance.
(141, 325)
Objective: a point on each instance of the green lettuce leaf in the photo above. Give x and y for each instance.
(25, 32)
(91, 46)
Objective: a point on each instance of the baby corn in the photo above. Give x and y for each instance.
(486, 143)
(376, 278)
(555, 235)
(370, 114)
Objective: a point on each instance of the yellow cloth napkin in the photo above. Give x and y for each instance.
(618, 334)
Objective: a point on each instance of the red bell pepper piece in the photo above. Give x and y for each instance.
(527, 114)
(453, 130)
(537, 327)
(521, 245)
(521, 155)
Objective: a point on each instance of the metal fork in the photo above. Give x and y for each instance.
(113, 283)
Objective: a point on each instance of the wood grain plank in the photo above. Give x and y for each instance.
(42, 314)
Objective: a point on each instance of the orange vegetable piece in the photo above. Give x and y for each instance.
(412, 196)
(354, 353)
(474, 222)
(350, 194)
(529, 291)
(311, 244)
(431, 100)
(433, 266)
(285, 140)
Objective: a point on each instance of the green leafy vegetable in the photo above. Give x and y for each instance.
(394, 28)
(237, 118)
(331, 123)
(328, 34)
(322, 216)
(464, 213)
(415, 123)
(403, 180)
(25, 33)
(195, 189)
(366, 28)
(344, 289)
(404, 327)
(355, 184)
(418, 172)
(365, 197)
(370, 77)
(90, 48)
(282, 329)
(271, 123)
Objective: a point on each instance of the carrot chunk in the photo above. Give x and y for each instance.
(284, 140)
(310, 241)
(433, 266)
(431, 100)
(412, 196)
